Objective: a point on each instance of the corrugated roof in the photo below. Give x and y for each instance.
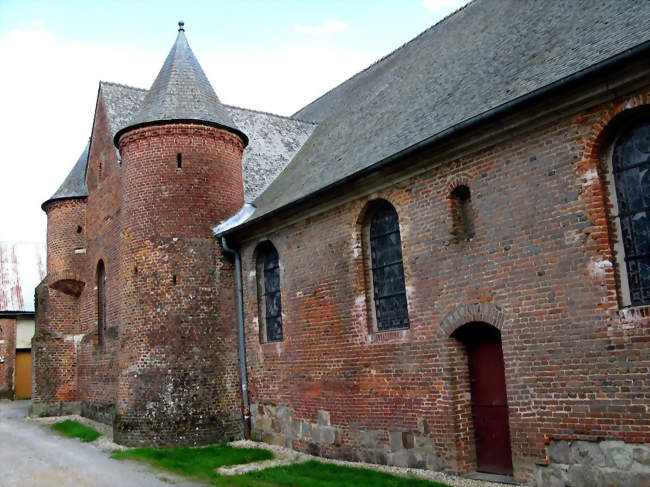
(22, 267)
(74, 185)
(485, 55)
(181, 91)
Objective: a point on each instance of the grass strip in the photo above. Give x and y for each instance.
(74, 429)
(201, 463)
(195, 462)
(317, 474)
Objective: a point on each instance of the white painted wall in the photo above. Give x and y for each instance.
(24, 333)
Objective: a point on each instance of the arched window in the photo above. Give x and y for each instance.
(389, 292)
(631, 175)
(268, 292)
(101, 302)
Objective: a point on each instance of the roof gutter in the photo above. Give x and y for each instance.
(490, 115)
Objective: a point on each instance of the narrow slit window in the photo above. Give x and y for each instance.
(389, 291)
(462, 214)
(101, 302)
(179, 161)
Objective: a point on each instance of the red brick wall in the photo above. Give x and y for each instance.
(539, 268)
(57, 313)
(98, 366)
(8, 353)
(178, 380)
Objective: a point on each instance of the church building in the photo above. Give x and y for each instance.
(441, 263)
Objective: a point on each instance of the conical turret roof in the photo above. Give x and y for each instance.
(74, 185)
(182, 92)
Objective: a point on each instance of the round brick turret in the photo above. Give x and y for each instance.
(178, 382)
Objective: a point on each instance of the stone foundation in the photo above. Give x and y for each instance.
(276, 425)
(595, 464)
(43, 409)
(102, 413)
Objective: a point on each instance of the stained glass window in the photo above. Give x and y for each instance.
(387, 270)
(272, 298)
(631, 168)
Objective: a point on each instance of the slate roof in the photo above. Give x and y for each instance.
(274, 140)
(74, 185)
(22, 267)
(181, 91)
(487, 54)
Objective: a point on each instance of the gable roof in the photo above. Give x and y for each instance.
(484, 56)
(274, 140)
(182, 92)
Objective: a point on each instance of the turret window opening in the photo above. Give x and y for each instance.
(269, 293)
(630, 174)
(101, 302)
(179, 161)
(461, 214)
(387, 270)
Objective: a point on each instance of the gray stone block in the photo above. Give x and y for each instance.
(327, 434)
(618, 478)
(284, 413)
(255, 409)
(558, 452)
(296, 429)
(423, 442)
(323, 418)
(617, 454)
(401, 458)
(585, 476)
(396, 440)
(369, 439)
(306, 431)
(368, 456)
(641, 454)
(586, 453)
(551, 476)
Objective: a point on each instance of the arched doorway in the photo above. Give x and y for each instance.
(489, 401)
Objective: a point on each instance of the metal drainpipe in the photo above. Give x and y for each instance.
(240, 328)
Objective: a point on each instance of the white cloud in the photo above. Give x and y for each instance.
(49, 91)
(327, 27)
(48, 99)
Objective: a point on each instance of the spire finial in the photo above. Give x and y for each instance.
(180, 26)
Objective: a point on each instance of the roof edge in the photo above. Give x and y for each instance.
(152, 123)
(643, 48)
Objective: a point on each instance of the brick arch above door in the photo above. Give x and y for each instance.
(464, 313)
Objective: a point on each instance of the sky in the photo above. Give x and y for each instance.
(270, 55)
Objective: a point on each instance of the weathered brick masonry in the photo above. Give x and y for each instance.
(539, 268)
(178, 378)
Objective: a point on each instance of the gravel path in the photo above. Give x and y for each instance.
(32, 455)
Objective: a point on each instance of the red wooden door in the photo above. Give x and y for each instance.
(489, 404)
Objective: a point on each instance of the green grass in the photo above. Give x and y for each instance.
(201, 463)
(73, 429)
(195, 462)
(317, 474)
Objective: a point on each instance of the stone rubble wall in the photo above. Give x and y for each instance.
(595, 464)
(276, 425)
